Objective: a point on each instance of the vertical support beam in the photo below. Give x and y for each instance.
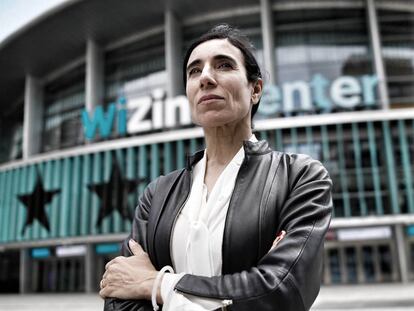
(402, 253)
(268, 41)
(33, 117)
(360, 265)
(90, 267)
(25, 271)
(173, 46)
(94, 75)
(375, 37)
(391, 171)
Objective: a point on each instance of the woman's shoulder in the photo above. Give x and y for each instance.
(165, 180)
(298, 163)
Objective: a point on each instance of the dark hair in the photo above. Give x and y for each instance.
(240, 41)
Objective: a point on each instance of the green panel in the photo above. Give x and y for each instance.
(193, 145)
(15, 204)
(97, 177)
(180, 154)
(392, 177)
(10, 204)
(406, 164)
(358, 169)
(294, 139)
(66, 198)
(374, 167)
(143, 167)
(74, 224)
(21, 210)
(312, 149)
(309, 135)
(36, 224)
(167, 158)
(264, 136)
(325, 152)
(325, 144)
(31, 184)
(2, 205)
(117, 221)
(57, 203)
(155, 161)
(37, 227)
(131, 173)
(86, 196)
(48, 183)
(279, 140)
(109, 193)
(5, 206)
(342, 170)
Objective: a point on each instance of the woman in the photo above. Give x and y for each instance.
(218, 220)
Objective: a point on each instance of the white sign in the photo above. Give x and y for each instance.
(359, 234)
(70, 251)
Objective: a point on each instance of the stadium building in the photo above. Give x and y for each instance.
(92, 108)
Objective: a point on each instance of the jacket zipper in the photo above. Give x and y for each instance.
(225, 302)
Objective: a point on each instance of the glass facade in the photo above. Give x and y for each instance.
(64, 98)
(134, 69)
(332, 42)
(319, 46)
(397, 38)
(11, 133)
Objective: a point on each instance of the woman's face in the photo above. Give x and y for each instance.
(217, 86)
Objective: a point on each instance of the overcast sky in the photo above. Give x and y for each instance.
(16, 13)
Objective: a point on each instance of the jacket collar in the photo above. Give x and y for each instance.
(250, 148)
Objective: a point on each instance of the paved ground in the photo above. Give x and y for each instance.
(384, 297)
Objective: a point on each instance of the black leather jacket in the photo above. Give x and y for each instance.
(274, 191)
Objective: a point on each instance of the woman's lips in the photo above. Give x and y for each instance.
(209, 97)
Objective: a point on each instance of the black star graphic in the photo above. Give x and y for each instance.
(35, 203)
(114, 194)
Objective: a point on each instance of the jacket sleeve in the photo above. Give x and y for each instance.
(288, 277)
(139, 234)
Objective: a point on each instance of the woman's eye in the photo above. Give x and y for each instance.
(193, 71)
(225, 65)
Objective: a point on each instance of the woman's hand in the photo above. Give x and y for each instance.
(129, 277)
(279, 238)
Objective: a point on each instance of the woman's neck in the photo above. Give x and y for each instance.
(224, 142)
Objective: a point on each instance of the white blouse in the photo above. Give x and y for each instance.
(198, 235)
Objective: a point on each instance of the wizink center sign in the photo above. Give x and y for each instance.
(131, 115)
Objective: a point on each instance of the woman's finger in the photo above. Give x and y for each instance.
(135, 248)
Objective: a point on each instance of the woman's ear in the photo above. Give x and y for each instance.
(257, 91)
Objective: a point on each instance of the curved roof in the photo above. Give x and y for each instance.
(59, 36)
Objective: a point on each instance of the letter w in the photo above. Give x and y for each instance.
(101, 120)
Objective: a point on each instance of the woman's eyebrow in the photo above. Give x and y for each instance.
(193, 63)
(216, 57)
(224, 57)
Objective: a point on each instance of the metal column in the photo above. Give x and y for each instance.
(24, 276)
(90, 269)
(268, 42)
(402, 253)
(173, 45)
(33, 116)
(94, 75)
(375, 37)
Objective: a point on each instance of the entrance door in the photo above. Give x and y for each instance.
(9, 272)
(360, 263)
(58, 275)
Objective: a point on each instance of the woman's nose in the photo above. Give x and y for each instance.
(207, 77)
